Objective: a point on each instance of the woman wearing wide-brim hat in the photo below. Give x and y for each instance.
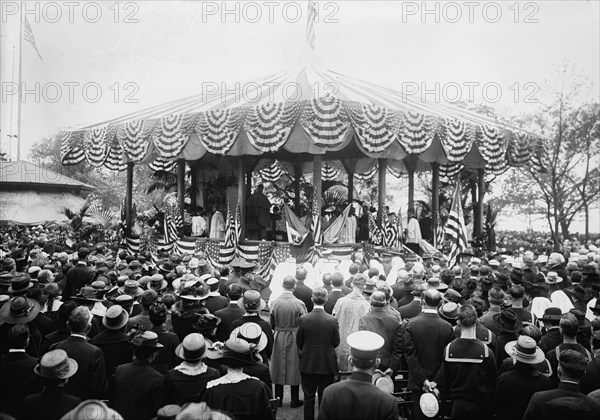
(185, 312)
(188, 380)
(20, 310)
(236, 392)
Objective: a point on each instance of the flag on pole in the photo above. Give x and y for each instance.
(315, 225)
(375, 234)
(310, 24)
(238, 225)
(227, 251)
(334, 230)
(455, 228)
(28, 36)
(296, 231)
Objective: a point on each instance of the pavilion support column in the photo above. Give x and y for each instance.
(411, 189)
(435, 199)
(249, 182)
(181, 184)
(382, 171)
(129, 197)
(317, 183)
(194, 190)
(241, 171)
(478, 222)
(350, 186)
(297, 176)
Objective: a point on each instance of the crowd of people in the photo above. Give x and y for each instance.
(100, 329)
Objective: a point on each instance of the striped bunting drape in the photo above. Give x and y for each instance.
(161, 164)
(376, 127)
(491, 147)
(268, 126)
(368, 175)
(450, 170)
(96, 144)
(457, 138)
(228, 250)
(272, 173)
(172, 133)
(325, 120)
(418, 131)
(71, 149)
(329, 173)
(218, 128)
(114, 159)
(134, 137)
(518, 150)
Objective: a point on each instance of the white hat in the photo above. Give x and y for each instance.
(365, 345)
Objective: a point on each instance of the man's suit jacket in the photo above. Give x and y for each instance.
(411, 309)
(17, 380)
(227, 315)
(536, 410)
(317, 337)
(550, 339)
(425, 337)
(139, 391)
(90, 379)
(381, 322)
(332, 298)
(77, 277)
(515, 388)
(215, 303)
(304, 293)
(357, 399)
(50, 404)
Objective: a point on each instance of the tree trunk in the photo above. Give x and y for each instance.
(564, 228)
(586, 209)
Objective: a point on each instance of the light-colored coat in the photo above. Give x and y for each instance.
(286, 311)
(348, 311)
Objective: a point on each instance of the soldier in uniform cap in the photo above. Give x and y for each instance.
(357, 398)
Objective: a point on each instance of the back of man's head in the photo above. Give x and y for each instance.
(82, 254)
(432, 298)
(337, 279)
(373, 272)
(327, 279)
(301, 274)
(467, 316)
(359, 281)
(18, 336)
(353, 269)
(289, 283)
(569, 325)
(234, 291)
(148, 298)
(572, 364)
(319, 296)
(516, 292)
(79, 320)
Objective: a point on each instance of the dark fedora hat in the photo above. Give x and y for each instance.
(19, 284)
(578, 292)
(20, 310)
(552, 314)
(205, 323)
(508, 321)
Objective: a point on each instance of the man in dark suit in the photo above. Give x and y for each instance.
(214, 301)
(515, 387)
(17, 379)
(414, 308)
(357, 398)
(426, 336)
(230, 313)
(317, 337)
(140, 389)
(302, 291)
(90, 379)
(53, 402)
(571, 369)
(337, 281)
(79, 275)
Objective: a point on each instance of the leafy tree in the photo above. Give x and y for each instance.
(570, 181)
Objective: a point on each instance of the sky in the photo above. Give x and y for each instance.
(105, 59)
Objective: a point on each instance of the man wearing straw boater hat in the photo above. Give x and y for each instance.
(90, 379)
(139, 388)
(357, 398)
(55, 368)
(515, 387)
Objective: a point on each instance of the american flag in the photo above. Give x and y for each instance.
(315, 228)
(392, 234)
(455, 228)
(28, 36)
(310, 24)
(375, 234)
(228, 250)
(238, 225)
(172, 223)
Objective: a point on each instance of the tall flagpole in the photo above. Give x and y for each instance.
(19, 86)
